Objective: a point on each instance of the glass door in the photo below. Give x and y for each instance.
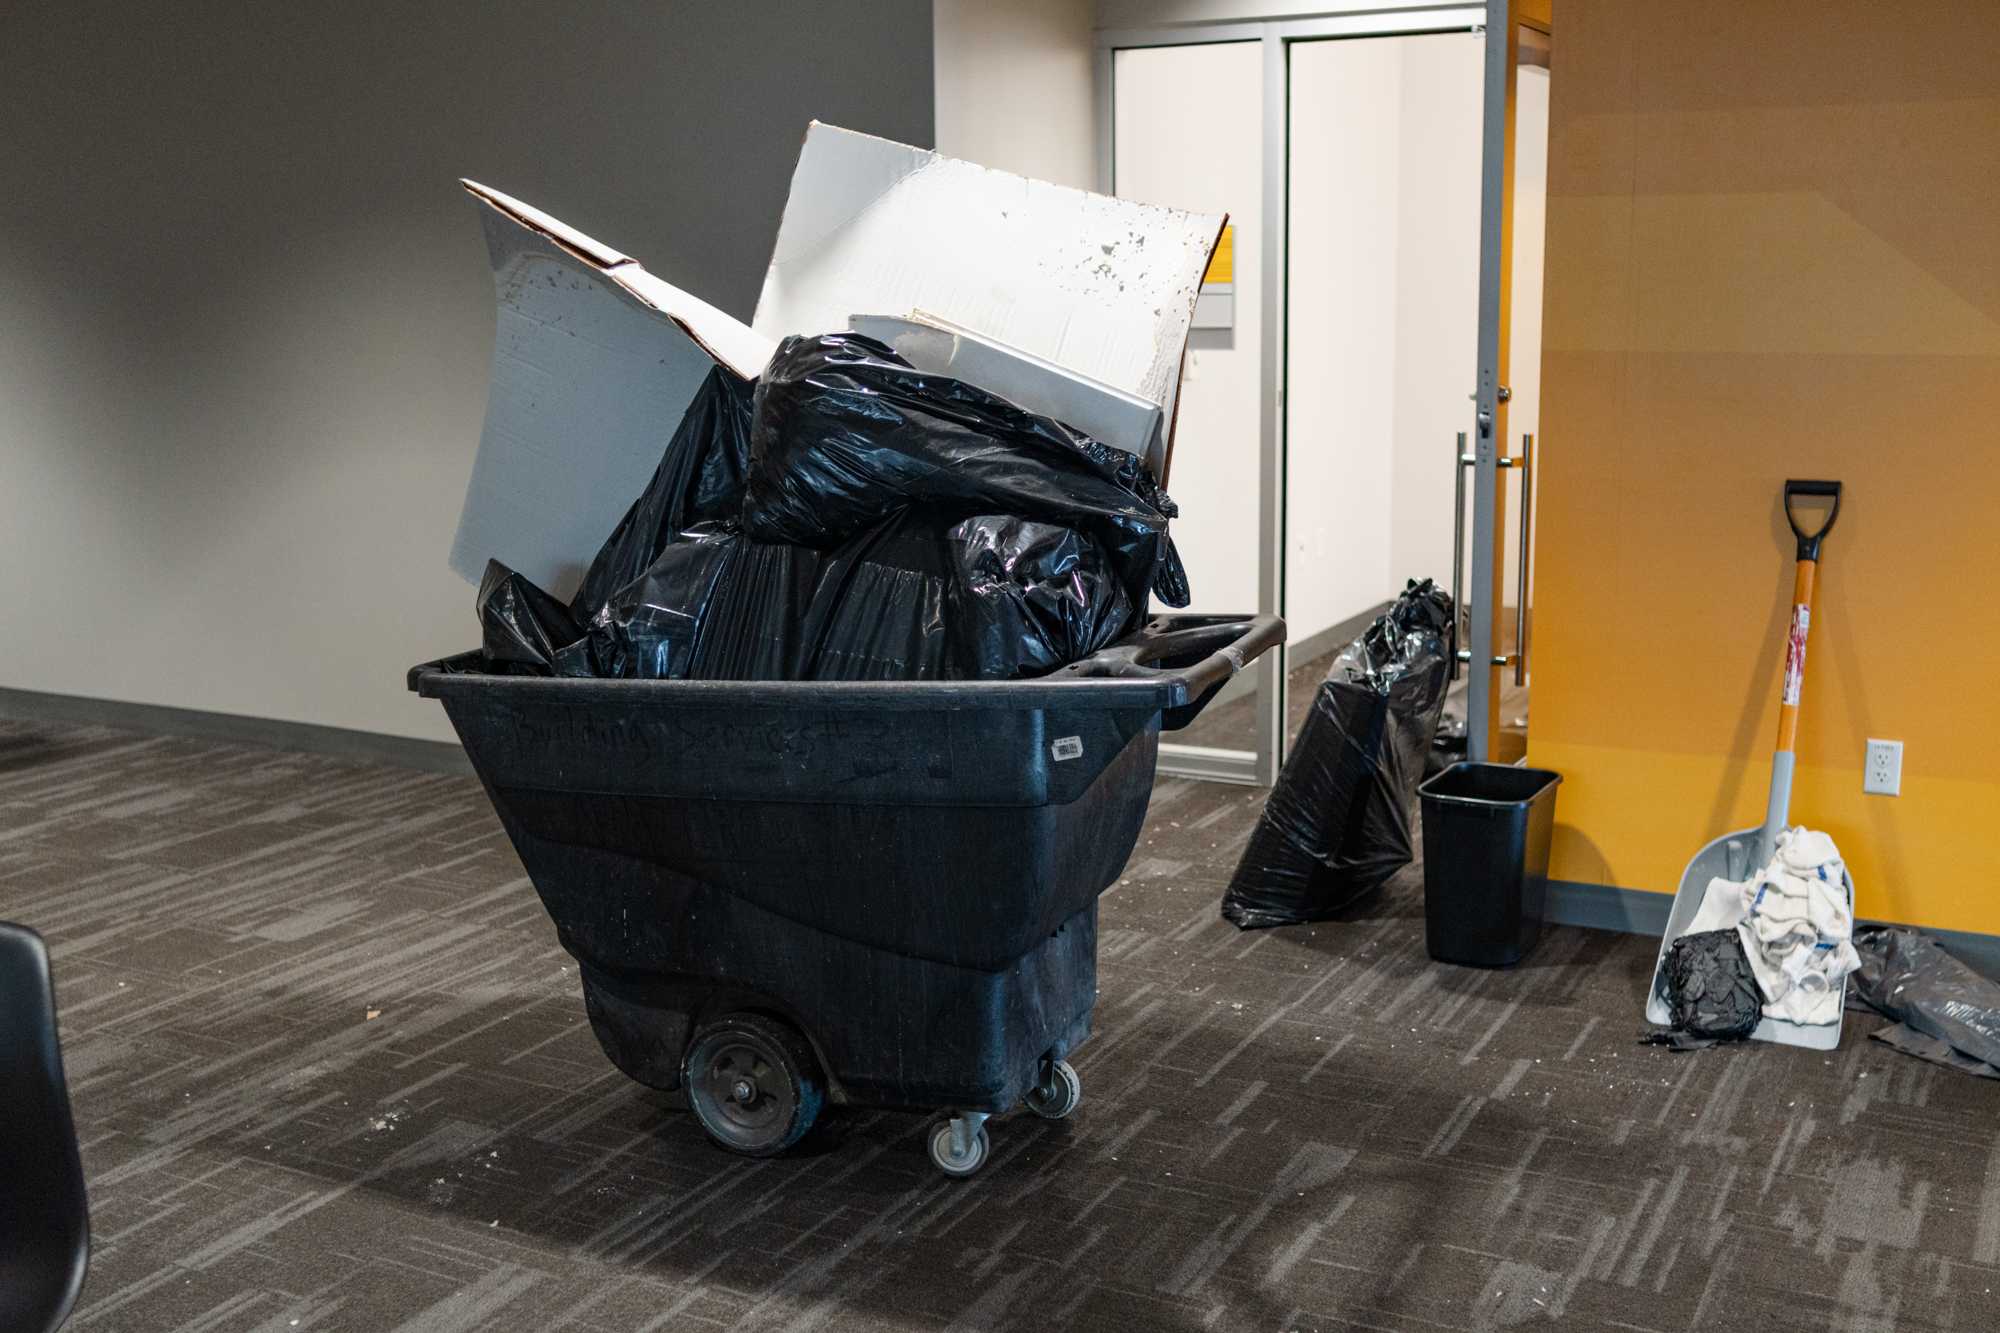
(1188, 129)
(1282, 380)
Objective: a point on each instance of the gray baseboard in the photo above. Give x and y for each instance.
(160, 720)
(1631, 912)
(1601, 907)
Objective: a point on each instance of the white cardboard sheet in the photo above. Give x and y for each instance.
(1101, 286)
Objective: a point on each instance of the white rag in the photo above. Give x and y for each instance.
(1797, 925)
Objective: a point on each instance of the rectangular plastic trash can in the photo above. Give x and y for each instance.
(1486, 861)
(878, 893)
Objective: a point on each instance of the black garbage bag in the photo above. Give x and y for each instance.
(892, 569)
(522, 629)
(1712, 992)
(1448, 747)
(1338, 823)
(844, 431)
(990, 597)
(1029, 597)
(699, 480)
(1945, 1012)
(711, 606)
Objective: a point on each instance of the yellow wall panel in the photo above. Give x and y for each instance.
(1773, 250)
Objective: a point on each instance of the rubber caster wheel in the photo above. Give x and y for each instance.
(959, 1150)
(1057, 1092)
(753, 1084)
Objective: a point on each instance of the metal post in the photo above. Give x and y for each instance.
(1489, 420)
(1271, 677)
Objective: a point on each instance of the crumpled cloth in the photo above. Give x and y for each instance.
(1796, 918)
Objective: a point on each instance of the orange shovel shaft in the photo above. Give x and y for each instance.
(1795, 653)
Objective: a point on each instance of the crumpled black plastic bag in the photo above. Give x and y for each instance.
(699, 480)
(1945, 1012)
(1338, 822)
(522, 629)
(1029, 597)
(1712, 993)
(844, 430)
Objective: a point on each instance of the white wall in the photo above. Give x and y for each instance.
(1343, 240)
(1189, 132)
(247, 313)
(1382, 314)
(1437, 283)
(1013, 86)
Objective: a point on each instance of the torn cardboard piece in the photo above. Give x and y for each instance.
(595, 359)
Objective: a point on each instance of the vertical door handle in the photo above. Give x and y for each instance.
(1457, 546)
(1527, 546)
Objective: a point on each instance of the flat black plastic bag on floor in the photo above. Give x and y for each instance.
(844, 431)
(1945, 1012)
(1338, 823)
(1711, 990)
(699, 480)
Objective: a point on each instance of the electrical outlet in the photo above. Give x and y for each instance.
(1883, 774)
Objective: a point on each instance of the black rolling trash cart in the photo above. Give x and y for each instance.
(867, 892)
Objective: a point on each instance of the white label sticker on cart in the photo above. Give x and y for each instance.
(1067, 747)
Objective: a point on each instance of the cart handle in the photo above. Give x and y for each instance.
(1809, 541)
(1198, 653)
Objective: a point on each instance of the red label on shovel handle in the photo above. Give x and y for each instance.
(1795, 654)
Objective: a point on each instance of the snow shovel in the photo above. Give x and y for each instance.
(1736, 855)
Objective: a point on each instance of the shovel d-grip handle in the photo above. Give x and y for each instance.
(1778, 811)
(1809, 541)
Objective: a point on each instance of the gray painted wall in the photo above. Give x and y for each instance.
(245, 314)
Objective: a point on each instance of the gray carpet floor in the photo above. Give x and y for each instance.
(331, 1071)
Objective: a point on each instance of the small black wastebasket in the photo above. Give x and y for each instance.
(1486, 861)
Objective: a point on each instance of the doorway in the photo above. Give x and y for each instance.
(1327, 395)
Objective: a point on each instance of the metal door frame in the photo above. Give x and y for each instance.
(1260, 767)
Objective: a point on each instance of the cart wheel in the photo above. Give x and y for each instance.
(1057, 1092)
(753, 1083)
(959, 1154)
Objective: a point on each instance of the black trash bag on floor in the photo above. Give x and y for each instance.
(844, 431)
(1945, 1012)
(1712, 992)
(1338, 823)
(522, 629)
(1448, 747)
(699, 480)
